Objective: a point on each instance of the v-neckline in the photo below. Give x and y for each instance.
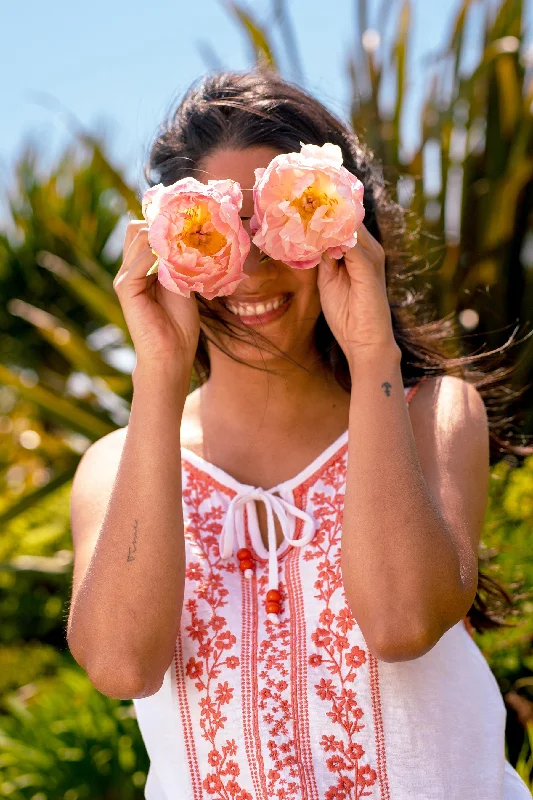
(226, 479)
(284, 489)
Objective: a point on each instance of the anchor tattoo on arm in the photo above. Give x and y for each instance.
(387, 386)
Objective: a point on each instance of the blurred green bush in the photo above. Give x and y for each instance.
(507, 555)
(62, 739)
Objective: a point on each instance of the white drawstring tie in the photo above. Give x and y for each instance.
(234, 526)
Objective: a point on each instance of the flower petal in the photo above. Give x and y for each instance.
(196, 232)
(306, 204)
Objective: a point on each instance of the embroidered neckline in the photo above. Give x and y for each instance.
(227, 480)
(219, 478)
(286, 489)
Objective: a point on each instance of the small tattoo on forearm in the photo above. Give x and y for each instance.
(387, 386)
(131, 557)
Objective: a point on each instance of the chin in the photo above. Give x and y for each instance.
(275, 317)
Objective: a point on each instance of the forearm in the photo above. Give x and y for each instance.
(400, 566)
(128, 607)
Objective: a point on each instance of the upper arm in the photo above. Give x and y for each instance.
(91, 490)
(450, 425)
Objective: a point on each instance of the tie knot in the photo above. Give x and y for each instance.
(256, 493)
(233, 529)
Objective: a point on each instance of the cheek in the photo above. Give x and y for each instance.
(308, 282)
(307, 294)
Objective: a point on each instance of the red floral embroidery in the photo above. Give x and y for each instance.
(354, 778)
(275, 703)
(215, 641)
(279, 663)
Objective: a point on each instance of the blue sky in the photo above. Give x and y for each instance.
(118, 65)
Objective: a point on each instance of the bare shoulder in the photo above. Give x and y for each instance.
(91, 490)
(448, 395)
(97, 469)
(447, 410)
(99, 464)
(103, 454)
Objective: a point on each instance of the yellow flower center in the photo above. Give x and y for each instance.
(199, 232)
(312, 198)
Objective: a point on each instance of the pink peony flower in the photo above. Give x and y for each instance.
(306, 204)
(197, 235)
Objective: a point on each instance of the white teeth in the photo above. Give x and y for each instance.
(257, 309)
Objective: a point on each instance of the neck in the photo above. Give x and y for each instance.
(289, 396)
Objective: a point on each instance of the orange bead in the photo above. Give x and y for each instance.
(274, 595)
(243, 553)
(272, 608)
(246, 564)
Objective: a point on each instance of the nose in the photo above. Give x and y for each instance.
(257, 265)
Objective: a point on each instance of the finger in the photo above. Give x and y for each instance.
(363, 232)
(131, 232)
(366, 240)
(367, 248)
(331, 264)
(136, 272)
(138, 245)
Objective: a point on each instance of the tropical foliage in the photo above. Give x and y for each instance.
(66, 359)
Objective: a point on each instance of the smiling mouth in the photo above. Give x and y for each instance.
(257, 309)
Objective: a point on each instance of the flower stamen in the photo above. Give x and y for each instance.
(199, 232)
(311, 199)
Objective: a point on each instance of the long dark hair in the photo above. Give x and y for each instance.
(246, 109)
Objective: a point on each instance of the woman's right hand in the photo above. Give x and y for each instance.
(164, 326)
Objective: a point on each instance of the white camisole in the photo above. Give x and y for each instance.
(294, 706)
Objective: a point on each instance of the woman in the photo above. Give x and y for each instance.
(355, 677)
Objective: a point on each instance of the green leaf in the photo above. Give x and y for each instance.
(93, 296)
(82, 251)
(63, 337)
(508, 20)
(31, 498)
(400, 49)
(256, 35)
(456, 45)
(286, 29)
(103, 165)
(510, 93)
(499, 227)
(58, 407)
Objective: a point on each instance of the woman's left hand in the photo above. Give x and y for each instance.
(353, 295)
